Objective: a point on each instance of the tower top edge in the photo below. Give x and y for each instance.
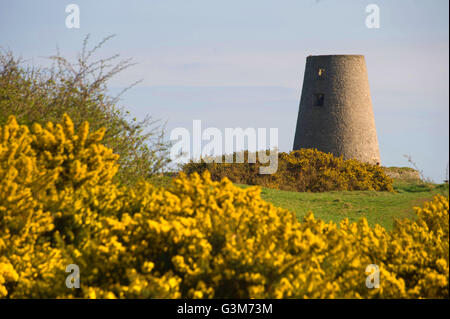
(336, 56)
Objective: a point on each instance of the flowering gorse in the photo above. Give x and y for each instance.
(305, 170)
(196, 238)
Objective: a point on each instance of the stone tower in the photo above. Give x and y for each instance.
(335, 113)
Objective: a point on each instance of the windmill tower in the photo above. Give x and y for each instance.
(335, 113)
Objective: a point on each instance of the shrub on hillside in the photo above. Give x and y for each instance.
(197, 238)
(39, 95)
(305, 170)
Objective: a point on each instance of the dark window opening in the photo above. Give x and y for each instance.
(318, 99)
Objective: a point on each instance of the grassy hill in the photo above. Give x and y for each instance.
(378, 207)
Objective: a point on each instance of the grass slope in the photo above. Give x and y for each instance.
(377, 207)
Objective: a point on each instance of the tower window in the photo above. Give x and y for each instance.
(321, 72)
(318, 99)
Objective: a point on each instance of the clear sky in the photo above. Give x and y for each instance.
(240, 63)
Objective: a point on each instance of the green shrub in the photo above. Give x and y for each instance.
(41, 95)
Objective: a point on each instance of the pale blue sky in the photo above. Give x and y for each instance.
(240, 63)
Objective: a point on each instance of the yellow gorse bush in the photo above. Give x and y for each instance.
(305, 170)
(197, 238)
(39, 172)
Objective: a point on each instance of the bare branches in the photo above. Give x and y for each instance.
(422, 176)
(80, 88)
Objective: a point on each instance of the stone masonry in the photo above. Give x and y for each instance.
(335, 113)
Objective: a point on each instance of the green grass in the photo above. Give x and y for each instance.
(377, 207)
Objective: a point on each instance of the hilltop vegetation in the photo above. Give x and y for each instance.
(305, 170)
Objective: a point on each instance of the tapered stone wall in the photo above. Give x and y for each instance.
(335, 113)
